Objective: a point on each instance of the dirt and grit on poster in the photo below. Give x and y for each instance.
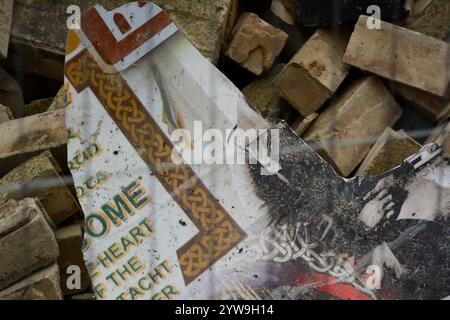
(188, 193)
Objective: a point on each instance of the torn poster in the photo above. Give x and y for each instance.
(163, 221)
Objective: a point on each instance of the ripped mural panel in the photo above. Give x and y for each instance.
(156, 228)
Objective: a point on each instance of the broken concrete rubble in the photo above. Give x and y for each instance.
(360, 217)
(41, 285)
(391, 150)
(315, 72)
(255, 44)
(6, 7)
(413, 59)
(40, 178)
(26, 240)
(27, 137)
(344, 133)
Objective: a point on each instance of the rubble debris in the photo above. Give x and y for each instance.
(41, 285)
(316, 13)
(329, 226)
(441, 136)
(27, 241)
(286, 10)
(315, 72)
(255, 44)
(302, 125)
(391, 150)
(262, 96)
(428, 104)
(413, 59)
(37, 106)
(70, 242)
(6, 7)
(431, 17)
(10, 94)
(40, 178)
(345, 131)
(27, 137)
(5, 114)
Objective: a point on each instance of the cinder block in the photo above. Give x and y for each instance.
(27, 242)
(40, 178)
(345, 132)
(41, 285)
(27, 137)
(401, 55)
(315, 72)
(255, 43)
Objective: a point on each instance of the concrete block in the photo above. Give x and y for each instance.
(28, 137)
(315, 72)
(41, 285)
(40, 178)
(345, 132)
(27, 242)
(412, 59)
